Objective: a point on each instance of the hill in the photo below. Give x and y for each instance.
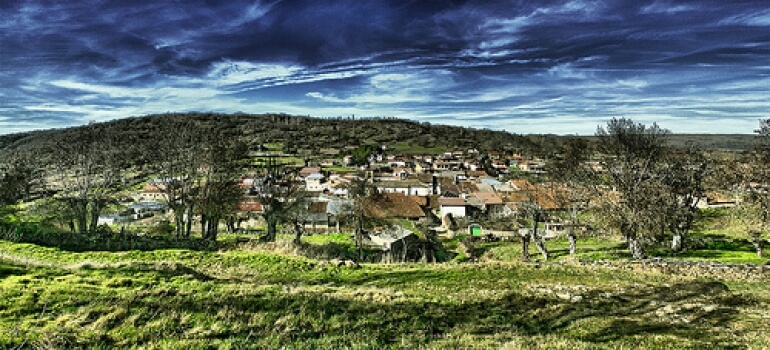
(307, 136)
(295, 134)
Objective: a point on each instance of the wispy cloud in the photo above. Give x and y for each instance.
(546, 66)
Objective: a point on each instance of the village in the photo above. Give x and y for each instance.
(458, 192)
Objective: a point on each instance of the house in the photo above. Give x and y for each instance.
(145, 209)
(112, 219)
(315, 183)
(455, 206)
(154, 190)
(402, 172)
(407, 187)
(716, 200)
(446, 165)
(250, 204)
(306, 171)
(392, 206)
(488, 198)
(422, 167)
(388, 237)
(396, 243)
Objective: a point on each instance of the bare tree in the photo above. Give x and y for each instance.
(280, 196)
(632, 154)
(88, 174)
(361, 190)
(531, 212)
(576, 184)
(754, 211)
(218, 192)
(177, 158)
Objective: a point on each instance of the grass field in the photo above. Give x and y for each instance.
(250, 297)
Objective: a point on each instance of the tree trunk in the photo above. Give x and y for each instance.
(82, 219)
(572, 241)
(189, 224)
(179, 220)
(297, 233)
(525, 238)
(271, 229)
(213, 228)
(759, 244)
(540, 243)
(677, 242)
(96, 209)
(360, 238)
(180, 224)
(637, 252)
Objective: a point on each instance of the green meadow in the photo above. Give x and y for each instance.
(244, 294)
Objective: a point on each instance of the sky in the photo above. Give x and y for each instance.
(558, 67)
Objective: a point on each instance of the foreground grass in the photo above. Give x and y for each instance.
(183, 299)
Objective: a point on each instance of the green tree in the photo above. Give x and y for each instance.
(685, 172)
(631, 156)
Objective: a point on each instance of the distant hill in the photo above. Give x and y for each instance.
(306, 135)
(716, 142)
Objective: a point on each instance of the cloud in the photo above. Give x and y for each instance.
(755, 19)
(474, 63)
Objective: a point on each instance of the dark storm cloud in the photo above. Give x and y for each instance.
(505, 64)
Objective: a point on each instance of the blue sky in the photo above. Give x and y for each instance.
(561, 67)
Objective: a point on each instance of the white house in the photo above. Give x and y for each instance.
(406, 187)
(451, 205)
(315, 183)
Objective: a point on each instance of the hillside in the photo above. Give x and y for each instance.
(308, 136)
(295, 133)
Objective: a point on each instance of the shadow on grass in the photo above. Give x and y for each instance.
(10, 270)
(329, 318)
(80, 242)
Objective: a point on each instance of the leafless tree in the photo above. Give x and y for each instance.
(88, 173)
(218, 190)
(575, 184)
(280, 196)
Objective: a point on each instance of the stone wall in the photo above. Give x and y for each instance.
(739, 272)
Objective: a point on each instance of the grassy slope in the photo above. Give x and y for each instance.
(252, 299)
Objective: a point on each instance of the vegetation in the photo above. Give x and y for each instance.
(629, 192)
(251, 299)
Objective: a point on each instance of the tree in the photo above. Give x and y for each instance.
(532, 213)
(632, 154)
(280, 196)
(218, 191)
(176, 157)
(576, 183)
(685, 172)
(88, 173)
(754, 211)
(13, 183)
(361, 190)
